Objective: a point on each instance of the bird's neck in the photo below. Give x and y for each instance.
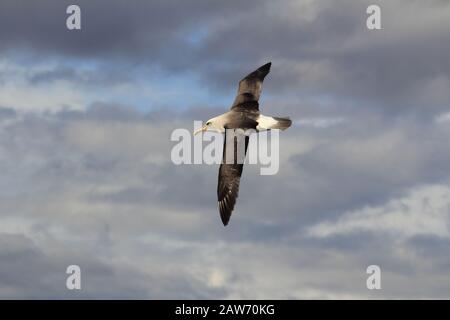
(219, 122)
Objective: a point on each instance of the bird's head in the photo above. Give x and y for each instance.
(213, 124)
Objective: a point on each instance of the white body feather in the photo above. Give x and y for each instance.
(266, 123)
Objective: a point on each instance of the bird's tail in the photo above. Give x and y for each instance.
(282, 123)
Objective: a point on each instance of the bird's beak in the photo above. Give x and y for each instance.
(204, 128)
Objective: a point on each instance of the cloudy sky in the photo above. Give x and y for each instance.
(86, 175)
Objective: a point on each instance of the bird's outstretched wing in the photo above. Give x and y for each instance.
(229, 176)
(250, 88)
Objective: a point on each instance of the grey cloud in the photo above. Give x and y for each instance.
(80, 77)
(110, 28)
(106, 198)
(319, 48)
(96, 187)
(6, 113)
(371, 165)
(28, 272)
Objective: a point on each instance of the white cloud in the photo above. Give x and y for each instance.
(443, 117)
(18, 93)
(424, 211)
(217, 278)
(54, 97)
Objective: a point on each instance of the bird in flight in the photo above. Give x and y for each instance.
(243, 115)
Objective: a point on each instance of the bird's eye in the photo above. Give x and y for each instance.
(208, 123)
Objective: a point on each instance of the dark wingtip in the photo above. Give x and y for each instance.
(264, 70)
(266, 67)
(224, 219)
(261, 72)
(223, 214)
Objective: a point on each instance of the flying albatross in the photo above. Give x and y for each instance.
(244, 114)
